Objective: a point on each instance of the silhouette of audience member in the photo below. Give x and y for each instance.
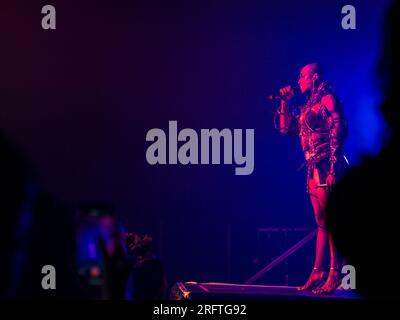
(364, 206)
(16, 189)
(34, 232)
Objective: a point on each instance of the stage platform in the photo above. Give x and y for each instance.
(226, 291)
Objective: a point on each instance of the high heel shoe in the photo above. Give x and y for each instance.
(315, 279)
(333, 281)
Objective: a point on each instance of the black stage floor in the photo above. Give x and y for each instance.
(219, 291)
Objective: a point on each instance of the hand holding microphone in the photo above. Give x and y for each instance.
(285, 93)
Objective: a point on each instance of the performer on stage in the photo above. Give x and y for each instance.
(321, 125)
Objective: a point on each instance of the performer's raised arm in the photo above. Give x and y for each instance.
(284, 120)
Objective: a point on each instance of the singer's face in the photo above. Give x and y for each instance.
(305, 79)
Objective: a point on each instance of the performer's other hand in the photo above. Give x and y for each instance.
(287, 93)
(330, 182)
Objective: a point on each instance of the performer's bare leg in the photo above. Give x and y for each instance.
(318, 200)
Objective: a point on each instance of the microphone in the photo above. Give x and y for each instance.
(277, 95)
